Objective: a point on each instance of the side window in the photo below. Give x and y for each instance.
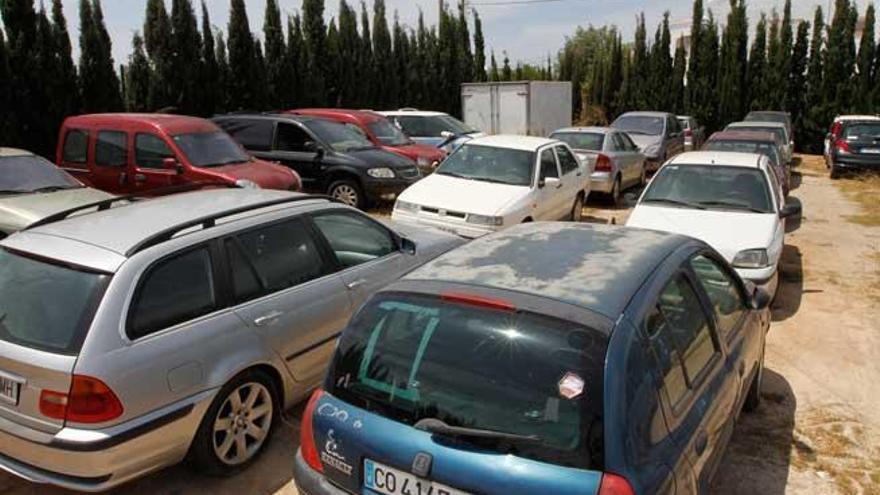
(150, 150)
(774, 185)
(629, 142)
(253, 134)
(273, 258)
(111, 149)
(173, 291)
(548, 165)
(289, 137)
(355, 239)
(617, 143)
(567, 162)
(76, 147)
(668, 356)
(415, 126)
(723, 291)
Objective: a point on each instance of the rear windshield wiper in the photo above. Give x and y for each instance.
(730, 204)
(674, 202)
(434, 425)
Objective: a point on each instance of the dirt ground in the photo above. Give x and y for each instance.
(818, 430)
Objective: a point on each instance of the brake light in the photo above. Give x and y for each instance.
(307, 435)
(842, 146)
(688, 133)
(613, 484)
(603, 163)
(474, 300)
(89, 401)
(835, 129)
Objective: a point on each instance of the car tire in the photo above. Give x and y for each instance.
(238, 426)
(753, 397)
(577, 209)
(616, 193)
(348, 192)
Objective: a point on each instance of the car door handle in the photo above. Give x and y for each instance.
(701, 443)
(355, 284)
(266, 319)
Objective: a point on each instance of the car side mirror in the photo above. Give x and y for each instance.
(447, 135)
(790, 209)
(407, 246)
(548, 181)
(173, 165)
(760, 299)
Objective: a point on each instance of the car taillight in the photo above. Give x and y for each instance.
(688, 133)
(307, 434)
(613, 484)
(835, 129)
(89, 401)
(842, 146)
(603, 163)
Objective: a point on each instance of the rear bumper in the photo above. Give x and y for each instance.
(310, 482)
(856, 163)
(601, 182)
(97, 460)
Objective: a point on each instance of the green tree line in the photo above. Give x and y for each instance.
(812, 69)
(181, 63)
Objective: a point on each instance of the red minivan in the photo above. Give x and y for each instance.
(383, 133)
(127, 153)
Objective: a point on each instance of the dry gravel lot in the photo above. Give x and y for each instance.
(818, 430)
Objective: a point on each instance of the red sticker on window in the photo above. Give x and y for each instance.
(571, 386)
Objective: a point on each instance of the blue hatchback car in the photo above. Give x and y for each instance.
(548, 358)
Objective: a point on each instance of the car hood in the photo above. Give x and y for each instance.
(463, 195)
(377, 157)
(21, 210)
(729, 232)
(264, 174)
(415, 151)
(645, 140)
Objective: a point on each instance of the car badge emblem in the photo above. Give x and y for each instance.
(421, 465)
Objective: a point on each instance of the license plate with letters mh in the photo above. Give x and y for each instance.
(9, 389)
(389, 481)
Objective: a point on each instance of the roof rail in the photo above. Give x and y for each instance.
(105, 204)
(209, 221)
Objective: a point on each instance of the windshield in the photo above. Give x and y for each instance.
(340, 137)
(210, 149)
(24, 174)
(761, 148)
(589, 141)
(410, 357)
(711, 187)
(490, 164)
(640, 124)
(46, 306)
(387, 133)
(433, 126)
(869, 131)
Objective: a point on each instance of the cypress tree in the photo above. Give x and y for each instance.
(20, 22)
(99, 84)
(401, 65)
(772, 73)
(6, 118)
(782, 63)
(732, 71)
(797, 80)
(260, 96)
(479, 50)
(466, 54)
(494, 75)
(815, 113)
(296, 62)
(448, 61)
(187, 59)
(866, 77)
(366, 64)
(332, 65)
(137, 78)
(243, 77)
(210, 75)
(45, 124)
(641, 70)
(349, 52)
(66, 90)
(758, 67)
(110, 80)
(506, 72)
(694, 70)
(383, 56)
(223, 100)
(277, 70)
(841, 59)
(679, 65)
(707, 95)
(660, 72)
(158, 42)
(315, 33)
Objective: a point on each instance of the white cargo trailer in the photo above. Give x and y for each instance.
(534, 108)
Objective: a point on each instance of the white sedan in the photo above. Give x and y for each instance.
(494, 182)
(732, 201)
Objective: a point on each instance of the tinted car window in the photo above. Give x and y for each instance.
(590, 141)
(355, 239)
(631, 146)
(567, 162)
(548, 165)
(48, 307)
(727, 300)
(688, 327)
(290, 137)
(640, 124)
(762, 148)
(869, 131)
(340, 137)
(711, 186)
(76, 145)
(150, 151)
(668, 357)
(491, 164)
(273, 258)
(210, 149)
(253, 134)
(32, 173)
(387, 133)
(111, 149)
(410, 357)
(173, 291)
(433, 126)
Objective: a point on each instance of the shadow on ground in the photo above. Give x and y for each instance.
(791, 284)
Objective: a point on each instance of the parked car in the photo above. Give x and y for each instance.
(550, 358)
(614, 160)
(857, 147)
(836, 127)
(433, 128)
(731, 201)
(129, 153)
(764, 143)
(657, 134)
(179, 326)
(770, 116)
(329, 156)
(777, 128)
(383, 134)
(32, 188)
(694, 134)
(494, 182)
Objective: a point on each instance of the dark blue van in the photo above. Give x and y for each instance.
(548, 358)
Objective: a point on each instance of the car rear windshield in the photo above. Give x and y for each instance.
(779, 131)
(765, 149)
(590, 141)
(711, 187)
(867, 131)
(490, 164)
(46, 306)
(24, 174)
(641, 124)
(210, 149)
(409, 357)
(388, 133)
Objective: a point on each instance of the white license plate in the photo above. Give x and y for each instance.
(9, 390)
(871, 151)
(389, 481)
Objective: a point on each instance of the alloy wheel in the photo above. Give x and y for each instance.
(243, 423)
(346, 194)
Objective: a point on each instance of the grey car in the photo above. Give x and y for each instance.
(694, 133)
(778, 128)
(179, 326)
(612, 156)
(32, 188)
(772, 116)
(657, 134)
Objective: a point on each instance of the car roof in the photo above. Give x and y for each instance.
(14, 152)
(594, 129)
(526, 143)
(364, 116)
(744, 136)
(172, 124)
(725, 158)
(756, 123)
(768, 112)
(414, 113)
(270, 116)
(843, 118)
(597, 267)
(646, 114)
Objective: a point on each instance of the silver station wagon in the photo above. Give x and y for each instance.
(134, 336)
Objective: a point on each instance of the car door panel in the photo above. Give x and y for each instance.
(548, 205)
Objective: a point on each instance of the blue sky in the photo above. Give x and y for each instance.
(527, 32)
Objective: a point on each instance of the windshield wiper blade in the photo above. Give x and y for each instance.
(731, 204)
(434, 425)
(674, 202)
